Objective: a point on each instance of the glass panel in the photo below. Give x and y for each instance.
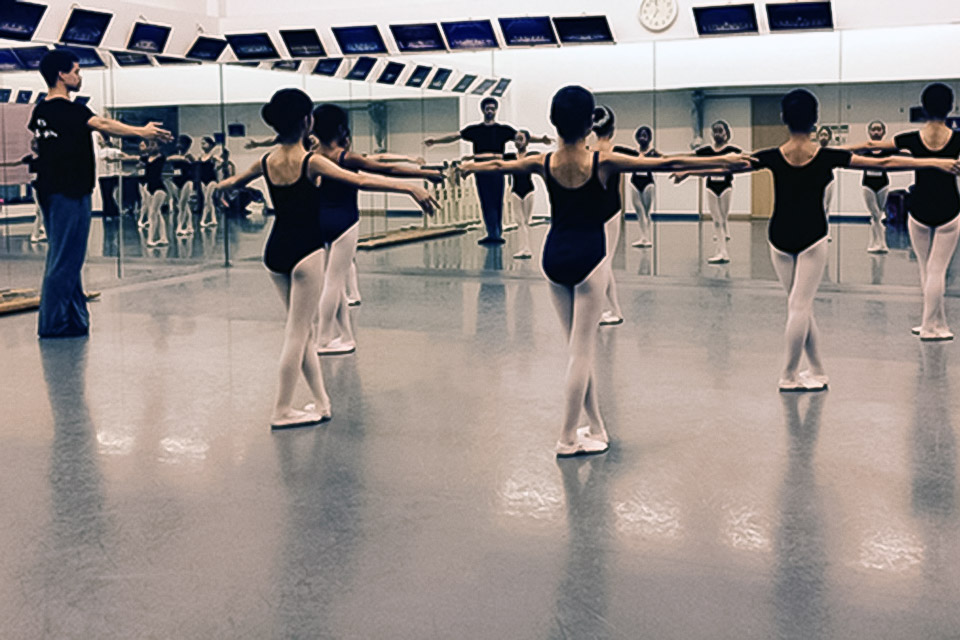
(166, 226)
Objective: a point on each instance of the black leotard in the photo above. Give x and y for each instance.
(718, 182)
(339, 209)
(799, 219)
(935, 198)
(872, 178)
(640, 179)
(521, 184)
(575, 242)
(153, 172)
(207, 170)
(296, 231)
(182, 172)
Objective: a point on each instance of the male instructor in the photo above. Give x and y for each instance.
(65, 178)
(489, 139)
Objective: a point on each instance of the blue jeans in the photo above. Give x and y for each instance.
(490, 191)
(63, 305)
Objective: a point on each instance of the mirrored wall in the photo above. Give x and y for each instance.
(213, 111)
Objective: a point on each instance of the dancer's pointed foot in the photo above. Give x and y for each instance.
(582, 446)
(610, 318)
(720, 258)
(596, 433)
(293, 418)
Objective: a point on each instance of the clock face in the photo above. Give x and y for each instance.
(657, 15)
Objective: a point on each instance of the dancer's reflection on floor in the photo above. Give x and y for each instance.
(582, 595)
(801, 601)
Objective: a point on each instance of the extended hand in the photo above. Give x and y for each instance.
(429, 142)
(425, 200)
(153, 131)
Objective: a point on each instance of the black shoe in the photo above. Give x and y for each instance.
(490, 240)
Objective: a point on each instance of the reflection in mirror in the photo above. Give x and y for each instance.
(23, 237)
(163, 193)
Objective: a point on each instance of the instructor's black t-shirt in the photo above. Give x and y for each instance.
(65, 148)
(488, 138)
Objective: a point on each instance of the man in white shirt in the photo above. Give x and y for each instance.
(109, 170)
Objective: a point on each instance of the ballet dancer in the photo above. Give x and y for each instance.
(574, 249)
(603, 128)
(489, 139)
(875, 186)
(208, 167)
(182, 184)
(643, 188)
(294, 254)
(933, 223)
(38, 233)
(719, 190)
(339, 212)
(65, 178)
(143, 209)
(155, 195)
(824, 138)
(797, 232)
(522, 194)
(109, 169)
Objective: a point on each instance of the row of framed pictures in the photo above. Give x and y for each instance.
(19, 20)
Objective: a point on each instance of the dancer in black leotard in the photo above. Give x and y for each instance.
(934, 225)
(798, 227)
(522, 194)
(824, 138)
(876, 186)
(208, 167)
(575, 247)
(154, 194)
(340, 217)
(604, 128)
(294, 254)
(642, 187)
(184, 176)
(719, 191)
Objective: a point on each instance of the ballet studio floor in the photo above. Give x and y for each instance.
(145, 497)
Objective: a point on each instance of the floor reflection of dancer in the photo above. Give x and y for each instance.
(603, 128)
(182, 184)
(934, 225)
(719, 190)
(643, 188)
(489, 139)
(208, 167)
(875, 187)
(575, 248)
(801, 170)
(294, 254)
(340, 218)
(155, 194)
(522, 194)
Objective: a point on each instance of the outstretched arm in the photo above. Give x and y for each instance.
(395, 157)
(447, 139)
(259, 144)
(544, 139)
(905, 163)
(149, 131)
(527, 164)
(323, 167)
(368, 164)
(241, 179)
(622, 163)
(869, 145)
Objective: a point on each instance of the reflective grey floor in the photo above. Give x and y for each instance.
(145, 497)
